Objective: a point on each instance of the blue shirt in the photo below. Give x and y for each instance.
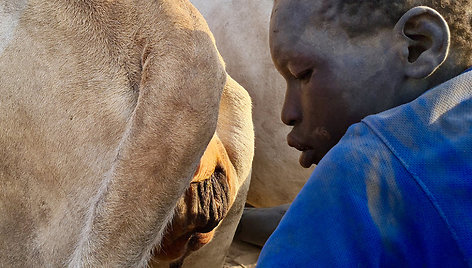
(396, 191)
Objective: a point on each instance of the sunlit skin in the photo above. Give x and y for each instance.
(333, 80)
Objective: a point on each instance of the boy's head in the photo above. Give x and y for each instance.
(346, 59)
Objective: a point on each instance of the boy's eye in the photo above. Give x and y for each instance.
(305, 75)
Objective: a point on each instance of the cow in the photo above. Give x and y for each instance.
(106, 109)
(241, 30)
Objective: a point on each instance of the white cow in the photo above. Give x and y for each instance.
(241, 30)
(106, 107)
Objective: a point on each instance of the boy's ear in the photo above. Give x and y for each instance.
(425, 40)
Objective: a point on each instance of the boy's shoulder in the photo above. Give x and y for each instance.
(439, 118)
(432, 138)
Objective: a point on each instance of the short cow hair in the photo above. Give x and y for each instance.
(368, 15)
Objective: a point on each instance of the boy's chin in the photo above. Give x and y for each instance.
(308, 158)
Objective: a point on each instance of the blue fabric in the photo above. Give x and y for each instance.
(395, 192)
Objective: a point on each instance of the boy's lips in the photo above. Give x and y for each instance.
(292, 142)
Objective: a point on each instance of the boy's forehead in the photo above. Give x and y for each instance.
(289, 17)
(294, 16)
(291, 21)
(313, 3)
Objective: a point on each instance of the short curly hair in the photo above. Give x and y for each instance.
(368, 15)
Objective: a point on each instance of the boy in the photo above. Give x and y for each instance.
(396, 190)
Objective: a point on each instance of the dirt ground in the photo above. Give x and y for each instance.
(242, 255)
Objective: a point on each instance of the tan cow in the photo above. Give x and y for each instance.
(241, 29)
(106, 107)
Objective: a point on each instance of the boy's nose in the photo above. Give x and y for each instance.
(291, 113)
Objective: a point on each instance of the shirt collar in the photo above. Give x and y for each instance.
(468, 70)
